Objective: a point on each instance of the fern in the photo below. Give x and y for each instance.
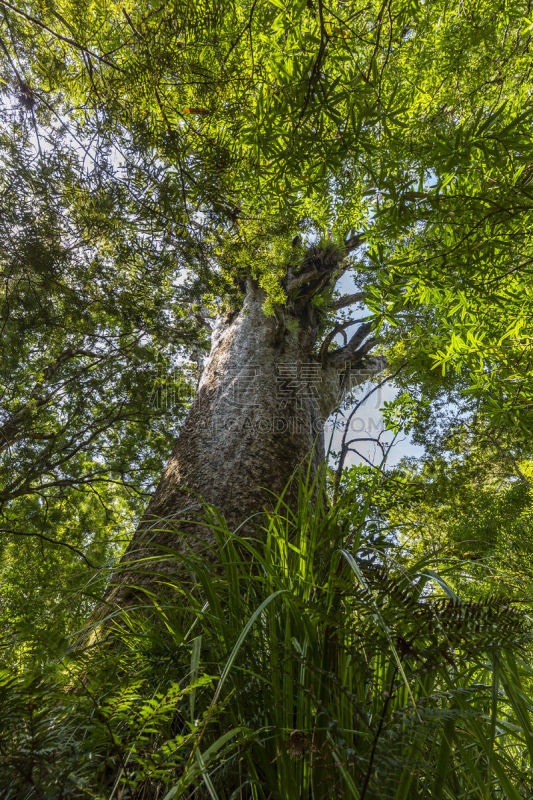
(294, 669)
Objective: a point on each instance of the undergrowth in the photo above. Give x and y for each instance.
(295, 663)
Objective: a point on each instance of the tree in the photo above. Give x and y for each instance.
(86, 329)
(268, 142)
(165, 165)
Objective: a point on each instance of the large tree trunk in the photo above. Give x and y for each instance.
(257, 418)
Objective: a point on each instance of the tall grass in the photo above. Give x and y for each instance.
(288, 667)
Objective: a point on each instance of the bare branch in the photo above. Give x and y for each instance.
(339, 328)
(344, 444)
(347, 300)
(352, 352)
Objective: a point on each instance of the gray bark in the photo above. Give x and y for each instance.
(257, 418)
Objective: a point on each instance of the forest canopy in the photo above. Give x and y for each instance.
(336, 189)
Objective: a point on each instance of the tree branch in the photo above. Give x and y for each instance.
(59, 36)
(347, 300)
(303, 278)
(339, 328)
(324, 269)
(10, 429)
(353, 351)
(344, 445)
(353, 242)
(507, 455)
(42, 536)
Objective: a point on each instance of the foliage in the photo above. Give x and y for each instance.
(471, 500)
(95, 372)
(233, 126)
(154, 157)
(323, 667)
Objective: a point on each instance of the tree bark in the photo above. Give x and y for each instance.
(257, 418)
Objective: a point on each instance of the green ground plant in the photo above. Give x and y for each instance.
(304, 662)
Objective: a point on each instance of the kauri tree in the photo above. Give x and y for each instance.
(223, 165)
